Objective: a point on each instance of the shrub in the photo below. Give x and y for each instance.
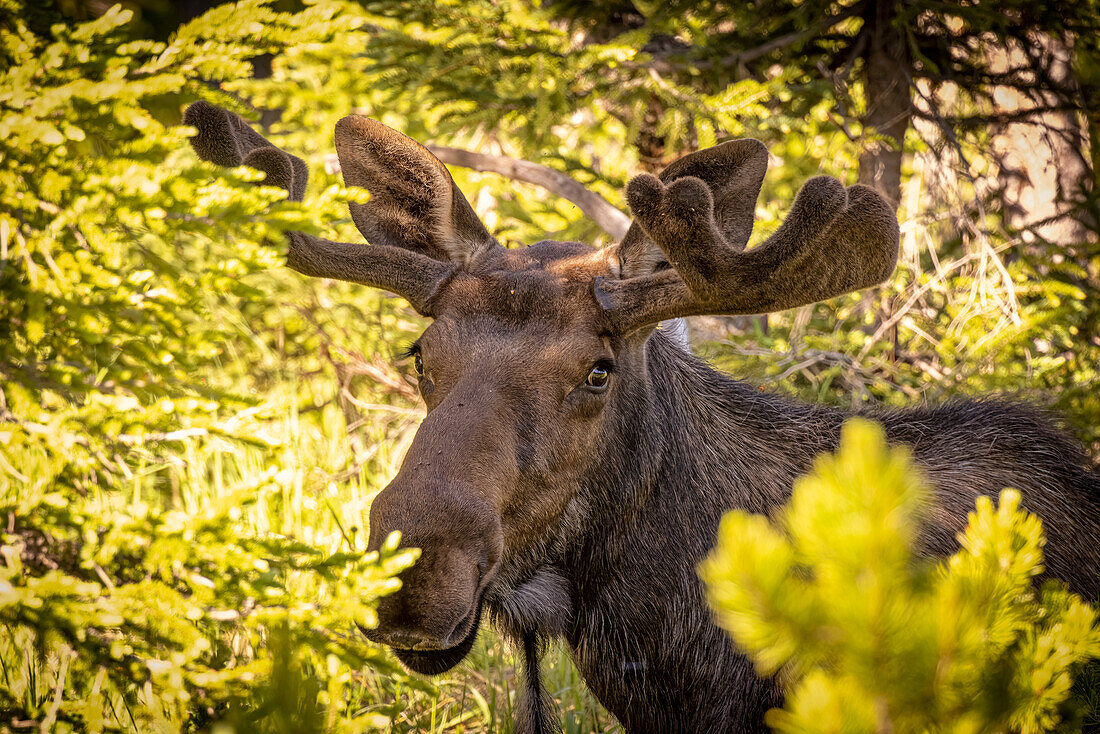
(179, 515)
(158, 621)
(871, 638)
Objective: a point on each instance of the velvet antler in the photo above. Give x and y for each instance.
(835, 240)
(419, 224)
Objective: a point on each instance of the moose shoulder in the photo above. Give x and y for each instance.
(575, 461)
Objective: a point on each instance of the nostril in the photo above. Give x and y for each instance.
(403, 639)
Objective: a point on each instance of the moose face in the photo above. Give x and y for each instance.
(517, 371)
(528, 365)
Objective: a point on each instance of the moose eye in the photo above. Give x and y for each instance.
(418, 365)
(598, 378)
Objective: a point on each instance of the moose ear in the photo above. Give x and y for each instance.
(225, 139)
(733, 172)
(414, 202)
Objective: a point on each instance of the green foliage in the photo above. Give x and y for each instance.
(545, 86)
(1029, 334)
(161, 620)
(190, 436)
(872, 638)
(174, 545)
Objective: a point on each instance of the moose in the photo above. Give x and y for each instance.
(575, 459)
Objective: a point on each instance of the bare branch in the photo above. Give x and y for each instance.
(790, 39)
(597, 208)
(741, 58)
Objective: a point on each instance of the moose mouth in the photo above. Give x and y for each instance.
(434, 662)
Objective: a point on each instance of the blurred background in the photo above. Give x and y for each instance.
(190, 434)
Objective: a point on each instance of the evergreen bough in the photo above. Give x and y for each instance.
(871, 637)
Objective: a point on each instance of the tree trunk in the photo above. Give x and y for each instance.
(1043, 162)
(886, 86)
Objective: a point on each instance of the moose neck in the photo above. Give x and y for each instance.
(692, 445)
(693, 440)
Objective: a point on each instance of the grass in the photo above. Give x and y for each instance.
(480, 694)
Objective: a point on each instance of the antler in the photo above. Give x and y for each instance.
(834, 241)
(401, 258)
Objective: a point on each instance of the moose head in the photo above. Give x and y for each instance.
(533, 369)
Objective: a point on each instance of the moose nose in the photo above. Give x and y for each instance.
(460, 542)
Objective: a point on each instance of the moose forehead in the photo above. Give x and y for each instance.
(547, 284)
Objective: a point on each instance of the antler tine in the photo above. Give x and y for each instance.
(732, 172)
(834, 241)
(227, 140)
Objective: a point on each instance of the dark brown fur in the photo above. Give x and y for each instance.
(565, 511)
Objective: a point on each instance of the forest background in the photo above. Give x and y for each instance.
(190, 434)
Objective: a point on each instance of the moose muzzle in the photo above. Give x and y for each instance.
(431, 622)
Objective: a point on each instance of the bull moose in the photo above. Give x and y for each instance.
(575, 459)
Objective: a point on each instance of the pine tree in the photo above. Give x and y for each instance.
(873, 639)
